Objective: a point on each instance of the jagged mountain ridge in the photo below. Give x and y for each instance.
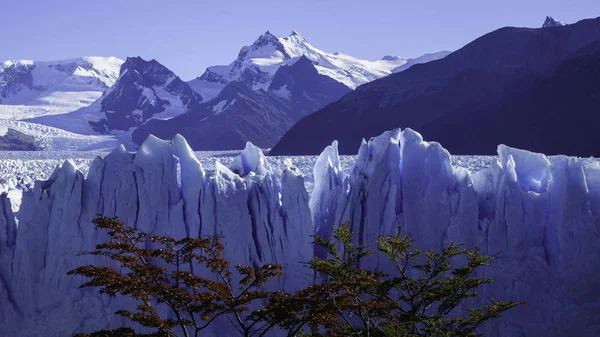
(144, 90)
(286, 77)
(461, 99)
(239, 113)
(256, 65)
(147, 90)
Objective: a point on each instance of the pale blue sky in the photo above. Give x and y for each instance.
(189, 35)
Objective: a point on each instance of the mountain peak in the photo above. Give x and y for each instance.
(141, 65)
(265, 39)
(550, 22)
(295, 37)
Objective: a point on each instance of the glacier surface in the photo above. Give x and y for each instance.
(541, 214)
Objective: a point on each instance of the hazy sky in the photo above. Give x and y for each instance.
(189, 35)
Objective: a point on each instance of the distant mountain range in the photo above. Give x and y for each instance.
(257, 64)
(239, 113)
(536, 89)
(524, 87)
(271, 85)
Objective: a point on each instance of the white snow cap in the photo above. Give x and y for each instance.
(270, 52)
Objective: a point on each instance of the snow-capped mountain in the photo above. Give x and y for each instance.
(257, 64)
(144, 90)
(32, 88)
(239, 113)
(278, 81)
(550, 22)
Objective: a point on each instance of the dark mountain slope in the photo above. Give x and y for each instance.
(459, 100)
(239, 114)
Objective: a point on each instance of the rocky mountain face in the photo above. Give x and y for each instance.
(239, 113)
(514, 86)
(15, 76)
(145, 89)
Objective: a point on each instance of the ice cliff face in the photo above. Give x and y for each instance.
(541, 213)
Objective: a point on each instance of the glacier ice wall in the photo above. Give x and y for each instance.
(541, 214)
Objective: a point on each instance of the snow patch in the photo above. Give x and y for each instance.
(282, 92)
(222, 106)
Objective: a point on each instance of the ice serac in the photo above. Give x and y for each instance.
(375, 201)
(540, 214)
(191, 181)
(8, 231)
(279, 215)
(328, 200)
(296, 215)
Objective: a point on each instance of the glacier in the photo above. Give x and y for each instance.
(540, 214)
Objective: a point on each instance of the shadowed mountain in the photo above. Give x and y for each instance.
(528, 88)
(239, 114)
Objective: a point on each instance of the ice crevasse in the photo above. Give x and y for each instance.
(541, 213)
